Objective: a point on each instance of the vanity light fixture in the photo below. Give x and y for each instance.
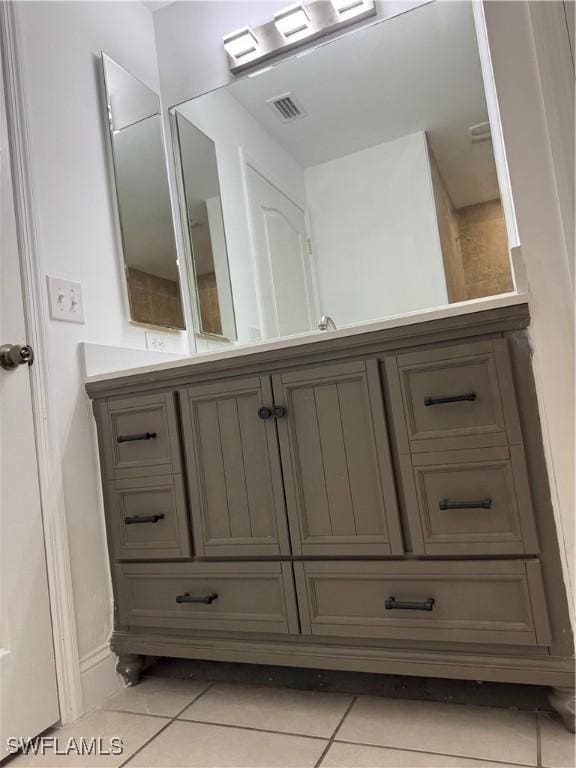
(292, 20)
(291, 27)
(240, 43)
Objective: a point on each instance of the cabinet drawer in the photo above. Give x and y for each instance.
(472, 503)
(148, 518)
(478, 602)
(140, 436)
(455, 397)
(239, 597)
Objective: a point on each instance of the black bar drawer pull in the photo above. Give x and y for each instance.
(134, 438)
(133, 519)
(187, 598)
(391, 604)
(481, 504)
(470, 396)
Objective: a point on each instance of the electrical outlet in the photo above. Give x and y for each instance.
(65, 298)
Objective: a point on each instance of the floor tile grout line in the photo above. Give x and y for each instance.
(335, 733)
(146, 743)
(170, 721)
(131, 712)
(429, 752)
(194, 700)
(251, 728)
(538, 740)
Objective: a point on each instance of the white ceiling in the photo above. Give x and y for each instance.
(155, 5)
(416, 72)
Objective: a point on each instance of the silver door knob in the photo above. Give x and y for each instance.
(13, 355)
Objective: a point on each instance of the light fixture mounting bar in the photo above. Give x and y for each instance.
(324, 19)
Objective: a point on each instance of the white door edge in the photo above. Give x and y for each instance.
(35, 312)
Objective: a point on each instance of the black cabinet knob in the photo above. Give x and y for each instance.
(264, 412)
(279, 411)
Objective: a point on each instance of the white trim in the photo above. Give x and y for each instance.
(499, 148)
(551, 37)
(35, 312)
(95, 657)
(99, 677)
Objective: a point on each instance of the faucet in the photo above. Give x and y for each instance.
(326, 323)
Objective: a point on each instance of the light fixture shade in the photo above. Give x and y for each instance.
(240, 43)
(345, 6)
(292, 20)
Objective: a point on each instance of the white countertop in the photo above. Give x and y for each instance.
(311, 337)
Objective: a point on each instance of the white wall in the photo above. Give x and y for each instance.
(534, 75)
(77, 240)
(375, 233)
(230, 126)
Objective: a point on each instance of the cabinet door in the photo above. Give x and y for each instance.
(236, 498)
(336, 460)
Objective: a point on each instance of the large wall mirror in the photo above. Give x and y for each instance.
(143, 197)
(356, 181)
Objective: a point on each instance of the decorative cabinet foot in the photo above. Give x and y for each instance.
(130, 666)
(564, 701)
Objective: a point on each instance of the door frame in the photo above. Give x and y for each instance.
(48, 451)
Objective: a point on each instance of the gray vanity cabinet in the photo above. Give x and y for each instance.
(234, 476)
(375, 502)
(336, 459)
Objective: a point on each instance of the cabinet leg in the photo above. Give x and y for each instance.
(564, 701)
(130, 666)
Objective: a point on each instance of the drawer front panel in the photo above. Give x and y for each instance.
(238, 597)
(148, 518)
(479, 602)
(234, 471)
(456, 397)
(339, 484)
(140, 436)
(475, 503)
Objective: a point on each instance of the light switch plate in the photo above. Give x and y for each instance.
(65, 299)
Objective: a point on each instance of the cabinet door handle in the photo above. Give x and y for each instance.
(278, 411)
(133, 519)
(480, 504)
(204, 599)
(391, 604)
(134, 438)
(470, 396)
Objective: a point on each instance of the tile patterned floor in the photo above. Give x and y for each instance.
(165, 723)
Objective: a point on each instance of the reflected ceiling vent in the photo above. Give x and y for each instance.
(480, 132)
(287, 107)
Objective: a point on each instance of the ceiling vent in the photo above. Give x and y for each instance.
(480, 132)
(286, 107)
